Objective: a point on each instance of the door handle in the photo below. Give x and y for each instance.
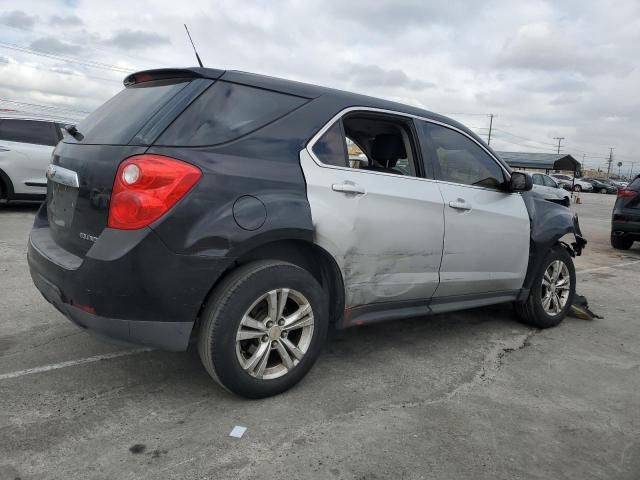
(460, 204)
(4, 149)
(348, 188)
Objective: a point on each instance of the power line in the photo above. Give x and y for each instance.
(524, 138)
(93, 47)
(65, 58)
(466, 114)
(68, 74)
(45, 107)
(502, 139)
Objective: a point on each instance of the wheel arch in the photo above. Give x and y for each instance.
(303, 253)
(6, 186)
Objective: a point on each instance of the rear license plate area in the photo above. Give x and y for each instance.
(61, 204)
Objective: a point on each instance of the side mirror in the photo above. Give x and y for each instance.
(520, 182)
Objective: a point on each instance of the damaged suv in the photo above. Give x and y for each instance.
(223, 207)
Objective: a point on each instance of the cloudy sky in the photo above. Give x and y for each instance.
(546, 69)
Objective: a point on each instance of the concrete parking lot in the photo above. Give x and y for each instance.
(465, 395)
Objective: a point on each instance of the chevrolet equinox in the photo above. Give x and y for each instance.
(251, 213)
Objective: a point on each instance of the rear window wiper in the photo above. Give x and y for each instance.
(73, 131)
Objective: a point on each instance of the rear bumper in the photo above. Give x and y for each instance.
(626, 229)
(172, 336)
(129, 287)
(626, 222)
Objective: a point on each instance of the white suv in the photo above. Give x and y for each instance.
(26, 145)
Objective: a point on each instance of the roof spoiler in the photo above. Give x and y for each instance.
(169, 73)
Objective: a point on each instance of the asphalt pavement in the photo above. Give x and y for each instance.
(470, 395)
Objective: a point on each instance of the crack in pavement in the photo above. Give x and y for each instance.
(38, 345)
(492, 362)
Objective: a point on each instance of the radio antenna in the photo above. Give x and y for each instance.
(194, 47)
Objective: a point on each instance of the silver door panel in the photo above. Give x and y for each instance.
(385, 231)
(486, 243)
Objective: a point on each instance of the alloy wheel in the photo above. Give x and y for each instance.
(556, 287)
(274, 334)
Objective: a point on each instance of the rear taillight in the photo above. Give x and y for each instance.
(627, 193)
(146, 187)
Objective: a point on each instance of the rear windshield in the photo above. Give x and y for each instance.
(119, 119)
(225, 112)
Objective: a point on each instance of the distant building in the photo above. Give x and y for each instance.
(546, 162)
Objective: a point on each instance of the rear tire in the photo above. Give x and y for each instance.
(538, 309)
(621, 243)
(577, 188)
(603, 190)
(241, 306)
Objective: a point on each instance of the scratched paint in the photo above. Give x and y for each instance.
(386, 241)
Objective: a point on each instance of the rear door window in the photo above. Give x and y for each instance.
(28, 131)
(331, 147)
(537, 179)
(118, 120)
(225, 112)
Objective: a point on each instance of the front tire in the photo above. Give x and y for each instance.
(577, 188)
(621, 243)
(552, 293)
(603, 190)
(247, 351)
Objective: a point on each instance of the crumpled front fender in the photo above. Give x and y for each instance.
(549, 223)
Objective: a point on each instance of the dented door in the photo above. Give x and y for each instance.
(385, 231)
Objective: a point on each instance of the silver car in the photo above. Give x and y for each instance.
(26, 145)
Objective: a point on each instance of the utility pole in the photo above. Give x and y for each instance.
(610, 161)
(490, 127)
(559, 140)
(631, 171)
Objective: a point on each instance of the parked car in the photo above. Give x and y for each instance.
(570, 183)
(620, 183)
(601, 185)
(549, 188)
(233, 218)
(625, 221)
(26, 145)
